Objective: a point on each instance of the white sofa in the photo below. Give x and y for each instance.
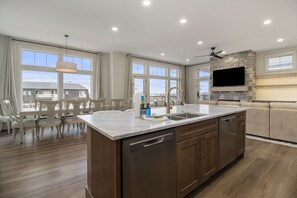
(209, 102)
(257, 118)
(275, 120)
(283, 121)
(229, 103)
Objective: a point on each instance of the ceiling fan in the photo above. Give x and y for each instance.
(213, 53)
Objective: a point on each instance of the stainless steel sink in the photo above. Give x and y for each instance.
(182, 116)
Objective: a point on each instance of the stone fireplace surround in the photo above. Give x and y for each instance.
(243, 93)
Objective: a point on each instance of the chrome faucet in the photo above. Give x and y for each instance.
(168, 98)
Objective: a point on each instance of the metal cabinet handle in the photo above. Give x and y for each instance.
(228, 119)
(153, 142)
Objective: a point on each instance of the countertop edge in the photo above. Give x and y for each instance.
(175, 124)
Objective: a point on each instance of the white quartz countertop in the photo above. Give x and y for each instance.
(122, 124)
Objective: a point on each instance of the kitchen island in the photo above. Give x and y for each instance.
(132, 157)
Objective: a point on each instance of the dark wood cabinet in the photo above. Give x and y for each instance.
(197, 154)
(209, 147)
(189, 157)
(240, 133)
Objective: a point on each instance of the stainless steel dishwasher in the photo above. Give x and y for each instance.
(148, 168)
(227, 140)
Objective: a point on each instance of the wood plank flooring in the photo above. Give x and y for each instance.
(52, 168)
(57, 168)
(267, 170)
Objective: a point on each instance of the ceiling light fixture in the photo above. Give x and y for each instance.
(183, 21)
(187, 60)
(223, 52)
(64, 66)
(267, 22)
(200, 42)
(115, 29)
(146, 3)
(162, 54)
(280, 40)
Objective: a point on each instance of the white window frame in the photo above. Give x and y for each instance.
(19, 46)
(198, 79)
(146, 76)
(267, 57)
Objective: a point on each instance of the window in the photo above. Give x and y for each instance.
(39, 78)
(138, 68)
(36, 83)
(173, 73)
(82, 63)
(203, 82)
(139, 85)
(278, 62)
(155, 79)
(157, 71)
(203, 72)
(35, 58)
(157, 89)
(77, 86)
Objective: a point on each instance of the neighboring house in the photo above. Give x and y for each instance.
(33, 90)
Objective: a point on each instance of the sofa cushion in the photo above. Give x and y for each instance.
(255, 104)
(229, 103)
(280, 105)
(209, 102)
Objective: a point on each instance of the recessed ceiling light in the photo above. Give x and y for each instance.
(200, 42)
(183, 21)
(146, 3)
(223, 52)
(162, 54)
(267, 22)
(187, 60)
(115, 29)
(280, 40)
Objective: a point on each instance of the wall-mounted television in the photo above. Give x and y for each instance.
(229, 77)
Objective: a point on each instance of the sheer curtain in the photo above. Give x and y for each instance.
(98, 77)
(8, 73)
(128, 78)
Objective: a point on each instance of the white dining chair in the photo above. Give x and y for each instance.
(53, 117)
(127, 103)
(15, 119)
(97, 105)
(7, 120)
(73, 109)
(117, 104)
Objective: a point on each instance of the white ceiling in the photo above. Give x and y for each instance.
(231, 25)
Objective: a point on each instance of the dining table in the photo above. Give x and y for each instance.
(35, 112)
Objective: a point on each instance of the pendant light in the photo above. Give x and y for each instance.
(64, 66)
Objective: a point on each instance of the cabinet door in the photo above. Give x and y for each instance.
(188, 160)
(240, 137)
(210, 154)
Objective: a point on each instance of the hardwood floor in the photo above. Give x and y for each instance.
(57, 168)
(267, 170)
(52, 168)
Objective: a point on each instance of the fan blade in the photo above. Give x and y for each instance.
(218, 52)
(200, 56)
(218, 56)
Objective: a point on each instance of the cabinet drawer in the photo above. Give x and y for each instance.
(192, 130)
(240, 116)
